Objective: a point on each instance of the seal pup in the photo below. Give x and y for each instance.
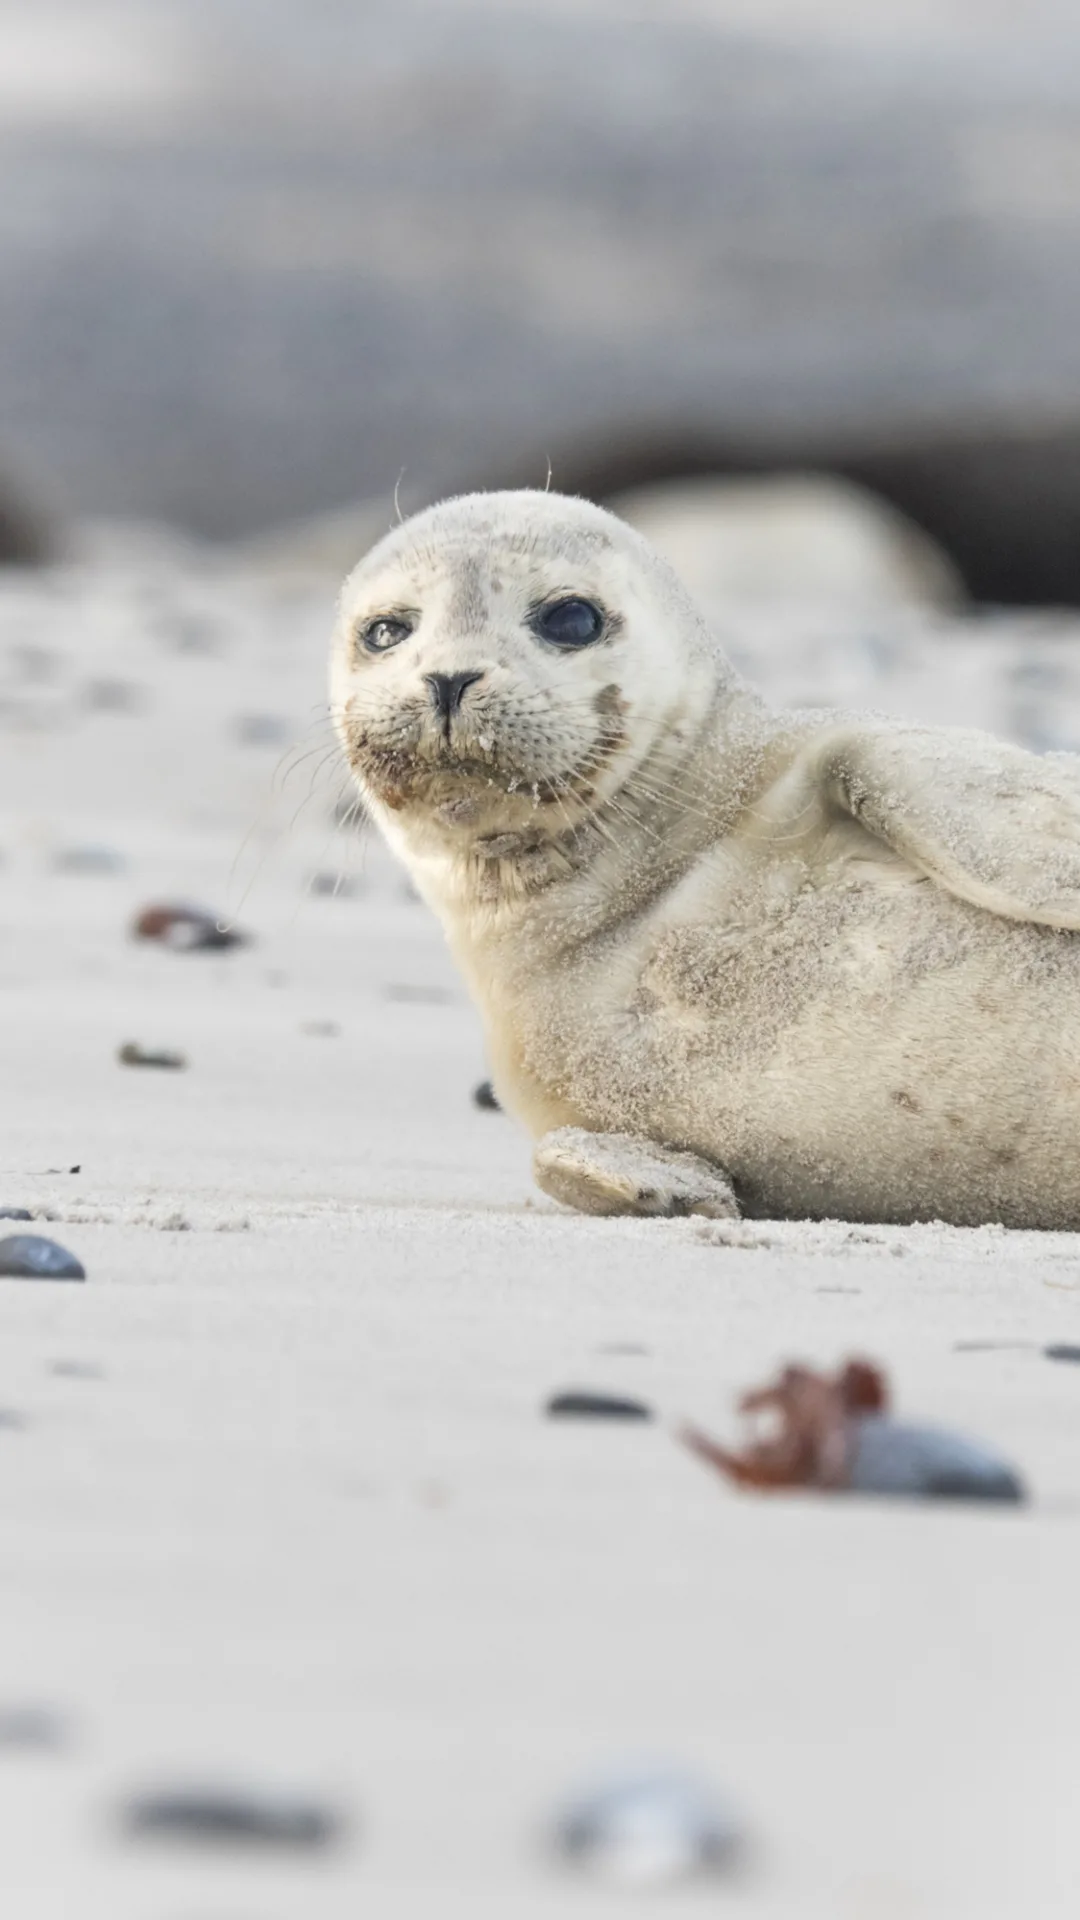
(799, 965)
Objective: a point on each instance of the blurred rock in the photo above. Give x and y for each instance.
(225, 1815)
(808, 537)
(27, 538)
(647, 1828)
(31, 1728)
(89, 859)
(29, 1256)
(131, 1054)
(771, 237)
(583, 1405)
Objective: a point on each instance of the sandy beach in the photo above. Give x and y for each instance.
(281, 1505)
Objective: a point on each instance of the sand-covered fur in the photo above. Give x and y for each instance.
(832, 956)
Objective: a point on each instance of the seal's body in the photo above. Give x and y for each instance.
(801, 965)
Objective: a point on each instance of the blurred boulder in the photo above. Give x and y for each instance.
(798, 537)
(312, 246)
(27, 538)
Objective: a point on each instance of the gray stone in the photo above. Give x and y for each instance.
(649, 1827)
(890, 1457)
(29, 1256)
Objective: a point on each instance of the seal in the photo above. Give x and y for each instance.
(729, 960)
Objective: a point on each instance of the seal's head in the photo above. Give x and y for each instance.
(503, 660)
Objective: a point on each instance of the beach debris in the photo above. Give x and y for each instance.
(835, 1434)
(29, 1256)
(15, 1213)
(485, 1097)
(186, 929)
(218, 1815)
(648, 1827)
(1062, 1351)
(579, 1405)
(26, 1727)
(131, 1054)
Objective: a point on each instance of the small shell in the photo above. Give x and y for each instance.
(29, 1256)
(647, 1828)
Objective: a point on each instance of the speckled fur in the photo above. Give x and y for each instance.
(834, 956)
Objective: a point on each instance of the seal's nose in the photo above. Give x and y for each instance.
(448, 690)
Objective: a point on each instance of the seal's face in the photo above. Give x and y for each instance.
(481, 666)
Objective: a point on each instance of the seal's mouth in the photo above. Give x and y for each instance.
(488, 777)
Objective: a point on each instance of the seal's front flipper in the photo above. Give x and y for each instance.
(619, 1173)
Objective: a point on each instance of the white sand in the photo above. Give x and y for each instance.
(308, 1525)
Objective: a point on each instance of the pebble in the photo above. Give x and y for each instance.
(890, 1457)
(31, 1726)
(335, 886)
(131, 1054)
(89, 859)
(113, 696)
(485, 1097)
(1061, 1351)
(595, 1406)
(217, 1815)
(29, 1256)
(648, 1828)
(262, 730)
(15, 1213)
(185, 929)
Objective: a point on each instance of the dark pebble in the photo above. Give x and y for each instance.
(185, 929)
(15, 1213)
(649, 1829)
(926, 1463)
(596, 1406)
(484, 1097)
(29, 1256)
(227, 1816)
(132, 1055)
(1061, 1352)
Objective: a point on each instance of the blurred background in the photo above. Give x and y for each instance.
(261, 258)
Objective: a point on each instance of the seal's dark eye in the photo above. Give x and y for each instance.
(382, 634)
(569, 623)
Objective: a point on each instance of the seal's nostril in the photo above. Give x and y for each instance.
(448, 690)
